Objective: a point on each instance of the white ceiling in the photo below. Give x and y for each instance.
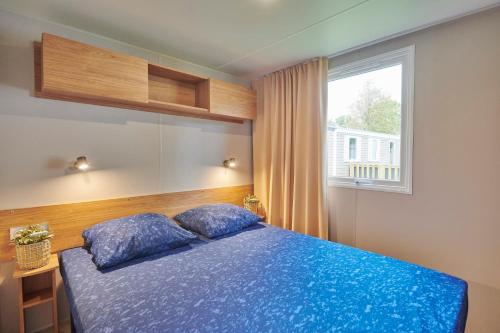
(247, 37)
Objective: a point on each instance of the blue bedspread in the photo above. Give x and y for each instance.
(263, 279)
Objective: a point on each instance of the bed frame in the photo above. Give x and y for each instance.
(67, 221)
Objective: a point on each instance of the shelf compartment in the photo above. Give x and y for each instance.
(171, 86)
(37, 297)
(171, 91)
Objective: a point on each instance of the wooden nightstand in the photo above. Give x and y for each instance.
(37, 286)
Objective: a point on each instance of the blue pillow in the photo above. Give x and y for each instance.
(117, 241)
(217, 219)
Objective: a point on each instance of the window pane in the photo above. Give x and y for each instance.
(352, 149)
(391, 152)
(364, 117)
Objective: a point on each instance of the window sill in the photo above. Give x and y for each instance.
(371, 186)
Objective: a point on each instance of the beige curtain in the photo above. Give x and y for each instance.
(289, 147)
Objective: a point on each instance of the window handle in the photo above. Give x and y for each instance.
(363, 182)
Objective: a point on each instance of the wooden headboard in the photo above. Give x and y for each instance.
(67, 221)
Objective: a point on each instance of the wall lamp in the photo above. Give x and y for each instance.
(81, 163)
(230, 163)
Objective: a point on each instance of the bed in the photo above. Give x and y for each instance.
(262, 279)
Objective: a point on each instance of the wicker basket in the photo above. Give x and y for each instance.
(253, 207)
(33, 255)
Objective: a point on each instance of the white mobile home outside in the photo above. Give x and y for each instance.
(363, 154)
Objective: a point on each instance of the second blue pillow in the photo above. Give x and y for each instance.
(217, 219)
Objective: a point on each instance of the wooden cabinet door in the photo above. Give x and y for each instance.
(74, 69)
(232, 100)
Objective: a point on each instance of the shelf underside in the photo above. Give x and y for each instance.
(155, 106)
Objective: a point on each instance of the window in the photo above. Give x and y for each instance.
(351, 149)
(370, 110)
(391, 152)
(373, 149)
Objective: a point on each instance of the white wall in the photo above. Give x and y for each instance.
(131, 152)
(452, 220)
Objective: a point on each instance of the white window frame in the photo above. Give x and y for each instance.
(347, 150)
(405, 57)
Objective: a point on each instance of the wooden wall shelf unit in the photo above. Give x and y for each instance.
(72, 71)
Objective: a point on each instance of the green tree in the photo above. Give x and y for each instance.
(373, 111)
(349, 121)
(383, 116)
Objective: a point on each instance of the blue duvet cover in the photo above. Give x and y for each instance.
(263, 279)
